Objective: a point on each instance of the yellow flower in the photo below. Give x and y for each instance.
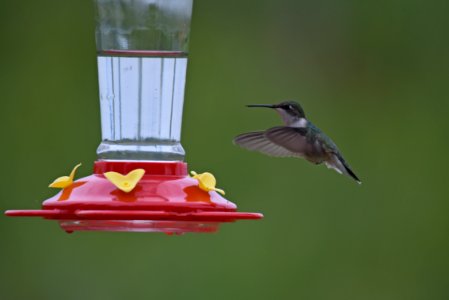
(126, 182)
(64, 181)
(206, 182)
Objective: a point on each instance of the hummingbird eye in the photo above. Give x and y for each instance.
(290, 107)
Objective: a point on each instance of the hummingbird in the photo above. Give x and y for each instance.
(297, 138)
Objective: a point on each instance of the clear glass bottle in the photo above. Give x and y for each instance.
(142, 62)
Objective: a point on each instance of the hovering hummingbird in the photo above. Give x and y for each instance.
(298, 138)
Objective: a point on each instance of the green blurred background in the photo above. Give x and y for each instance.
(372, 74)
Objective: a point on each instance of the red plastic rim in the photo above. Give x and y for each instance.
(166, 199)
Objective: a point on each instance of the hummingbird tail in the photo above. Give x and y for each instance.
(348, 170)
(341, 166)
(350, 173)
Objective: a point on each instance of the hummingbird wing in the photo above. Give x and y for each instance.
(257, 141)
(291, 138)
(299, 141)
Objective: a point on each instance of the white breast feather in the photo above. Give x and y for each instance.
(301, 123)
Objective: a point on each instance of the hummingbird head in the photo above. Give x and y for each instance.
(291, 112)
(292, 108)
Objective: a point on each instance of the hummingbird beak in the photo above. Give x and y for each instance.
(262, 105)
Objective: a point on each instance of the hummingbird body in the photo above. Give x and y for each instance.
(297, 138)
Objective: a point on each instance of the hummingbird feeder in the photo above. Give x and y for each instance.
(140, 181)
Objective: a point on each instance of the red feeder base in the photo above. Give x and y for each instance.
(166, 200)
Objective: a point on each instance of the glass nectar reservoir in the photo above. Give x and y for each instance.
(142, 62)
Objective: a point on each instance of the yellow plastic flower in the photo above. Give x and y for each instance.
(64, 181)
(126, 182)
(206, 182)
